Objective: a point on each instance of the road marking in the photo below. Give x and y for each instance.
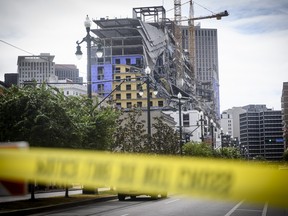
(234, 208)
(124, 215)
(264, 212)
(172, 201)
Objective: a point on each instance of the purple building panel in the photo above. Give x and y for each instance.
(102, 75)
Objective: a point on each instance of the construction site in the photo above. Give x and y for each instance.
(150, 53)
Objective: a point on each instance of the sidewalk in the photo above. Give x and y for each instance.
(4, 199)
(28, 211)
(44, 194)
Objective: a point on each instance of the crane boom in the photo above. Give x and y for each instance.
(218, 16)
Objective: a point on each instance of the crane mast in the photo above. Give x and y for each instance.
(191, 42)
(191, 37)
(178, 42)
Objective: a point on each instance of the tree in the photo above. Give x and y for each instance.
(130, 133)
(34, 114)
(45, 117)
(228, 153)
(285, 155)
(165, 140)
(197, 149)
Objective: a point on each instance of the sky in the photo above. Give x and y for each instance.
(252, 40)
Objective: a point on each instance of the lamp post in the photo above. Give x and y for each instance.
(180, 121)
(88, 39)
(141, 93)
(221, 134)
(201, 121)
(148, 71)
(212, 133)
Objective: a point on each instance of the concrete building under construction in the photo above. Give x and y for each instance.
(148, 40)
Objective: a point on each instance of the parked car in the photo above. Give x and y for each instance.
(133, 194)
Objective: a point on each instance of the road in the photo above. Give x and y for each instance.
(173, 205)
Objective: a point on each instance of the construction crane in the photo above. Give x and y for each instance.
(191, 30)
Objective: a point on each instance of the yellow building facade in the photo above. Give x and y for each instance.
(127, 94)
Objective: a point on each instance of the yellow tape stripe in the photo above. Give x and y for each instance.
(233, 180)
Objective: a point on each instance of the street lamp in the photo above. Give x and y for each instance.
(201, 121)
(212, 133)
(79, 53)
(180, 121)
(148, 71)
(141, 93)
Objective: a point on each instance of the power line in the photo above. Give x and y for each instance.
(16, 47)
(43, 58)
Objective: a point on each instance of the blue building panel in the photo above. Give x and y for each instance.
(135, 60)
(107, 76)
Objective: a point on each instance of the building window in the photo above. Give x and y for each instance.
(128, 87)
(100, 87)
(100, 73)
(118, 96)
(128, 61)
(160, 104)
(118, 87)
(138, 62)
(129, 105)
(139, 104)
(127, 69)
(117, 70)
(117, 61)
(186, 120)
(118, 105)
(128, 96)
(138, 96)
(128, 78)
(118, 79)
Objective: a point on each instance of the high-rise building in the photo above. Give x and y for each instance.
(261, 132)
(35, 68)
(284, 106)
(68, 71)
(230, 121)
(11, 78)
(206, 64)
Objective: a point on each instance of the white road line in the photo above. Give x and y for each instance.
(264, 212)
(234, 208)
(172, 201)
(124, 215)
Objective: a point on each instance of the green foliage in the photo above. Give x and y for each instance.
(34, 115)
(130, 136)
(165, 140)
(45, 117)
(227, 153)
(197, 149)
(285, 155)
(204, 150)
(130, 133)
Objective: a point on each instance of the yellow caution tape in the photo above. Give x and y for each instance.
(220, 179)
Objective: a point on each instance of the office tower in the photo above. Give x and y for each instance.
(10, 78)
(284, 106)
(206, 64)
(35, 68)
(261, 132)
(68, 71)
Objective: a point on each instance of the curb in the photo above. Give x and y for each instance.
(56, 207)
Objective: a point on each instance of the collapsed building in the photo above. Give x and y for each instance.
(149, 39)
